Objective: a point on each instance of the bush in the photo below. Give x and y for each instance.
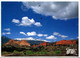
(57, 52)
(29, 52)
(4, 53)
(40, 52)
(17, 52)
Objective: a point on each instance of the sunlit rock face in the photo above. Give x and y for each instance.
(66, 42)
(42, 44)
(22, 42)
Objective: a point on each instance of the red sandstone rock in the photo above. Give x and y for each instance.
(33, 45)
(42, 44)
(10, 42)
(22, 42)
(66, 42)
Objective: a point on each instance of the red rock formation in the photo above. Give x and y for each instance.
(74, 42)
(10, 42)
(42, 44)
(34, 45)
(66, 42)
(22, 42)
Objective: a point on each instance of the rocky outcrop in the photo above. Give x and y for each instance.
(42, 44)
(65, 42)
(34, 45)
(22, 42)
(10, 42)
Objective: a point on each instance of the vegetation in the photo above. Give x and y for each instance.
(18, 53)
(36, 51)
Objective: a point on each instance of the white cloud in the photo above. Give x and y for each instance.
(63, 36)
(8, 33)
(22, 33)
(55, 33)
(71, 38)
(51, 37)
(58, 10)
(26, 22)
(39, 35)
(45, 40)
(33, 33)
(7, 29)
(58, 34)
(45, 35)
(31, 38)
(4, 33)
(37, 24)
(15, 21)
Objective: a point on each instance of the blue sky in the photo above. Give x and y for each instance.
(39, 21)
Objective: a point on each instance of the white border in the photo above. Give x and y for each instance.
(44, 1)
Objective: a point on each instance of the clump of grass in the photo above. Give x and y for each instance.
(51, 53)
(4, 53)
(29, 52)
(57, 52)
(40, 52)
(17, 52)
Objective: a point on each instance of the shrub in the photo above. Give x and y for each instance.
(57, 52)
(17, 52)
(40, 52)
(3, 53)
(29, 52)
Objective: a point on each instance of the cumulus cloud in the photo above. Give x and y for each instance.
(51, 37)
(58, 34)
(22, 33)
(15, 21)
(63, 36)
(31, 38)
(4, 33)
(55, 33)
(71, 38)
(26, 22)
(33, 33)
(45, 35)
(37, 24)
(7, 29)
(40, 35)
(58, 10)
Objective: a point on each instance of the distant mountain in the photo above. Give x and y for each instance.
(32, 42)
(4, 39)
